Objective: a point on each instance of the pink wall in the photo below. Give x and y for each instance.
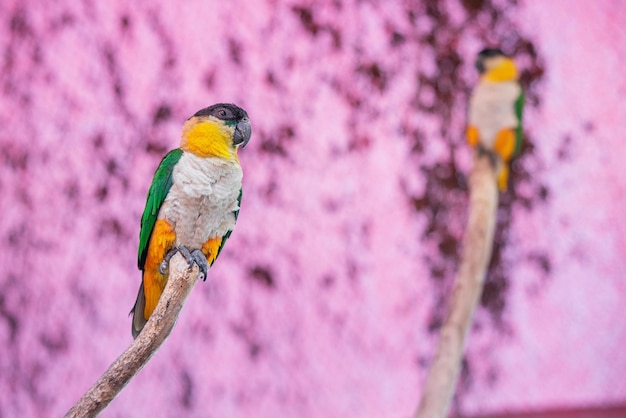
(326, 297)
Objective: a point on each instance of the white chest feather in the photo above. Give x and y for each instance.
(492, 108)
(202, 199)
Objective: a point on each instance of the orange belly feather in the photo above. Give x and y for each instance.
(211, 248)
(161, 241)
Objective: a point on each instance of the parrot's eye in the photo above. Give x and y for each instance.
(224, 113)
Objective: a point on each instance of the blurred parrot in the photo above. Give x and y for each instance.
(495, 110)
(193, 201)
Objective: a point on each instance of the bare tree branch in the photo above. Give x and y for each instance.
(477, 246)
(157, 329)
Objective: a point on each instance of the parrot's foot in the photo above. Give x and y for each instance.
(195, 256)
(200, 259)
(493, 158)
(166, 260)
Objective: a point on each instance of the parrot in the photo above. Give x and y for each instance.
(495, 110)
(193, 201)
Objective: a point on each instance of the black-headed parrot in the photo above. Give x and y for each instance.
(495, 110)
(193, 201)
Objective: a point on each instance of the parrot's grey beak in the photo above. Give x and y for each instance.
(243, 131)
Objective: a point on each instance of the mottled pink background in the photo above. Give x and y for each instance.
(327, 299)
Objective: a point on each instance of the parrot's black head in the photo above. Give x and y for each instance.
(224, 111)
(231, 115)
(486, 54)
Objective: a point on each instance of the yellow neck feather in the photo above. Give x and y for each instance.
(208, 139)
(504, 71)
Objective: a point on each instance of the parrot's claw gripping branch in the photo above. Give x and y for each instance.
(168, 256)
(493, 157)
(164, 267)
(200, 259)
(195, 256)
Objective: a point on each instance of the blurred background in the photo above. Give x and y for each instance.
(328, 298)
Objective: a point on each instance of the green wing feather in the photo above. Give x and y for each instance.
(159, 188)
(227, 234)
(519, 109)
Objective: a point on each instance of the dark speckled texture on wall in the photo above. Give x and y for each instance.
(328, 297)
